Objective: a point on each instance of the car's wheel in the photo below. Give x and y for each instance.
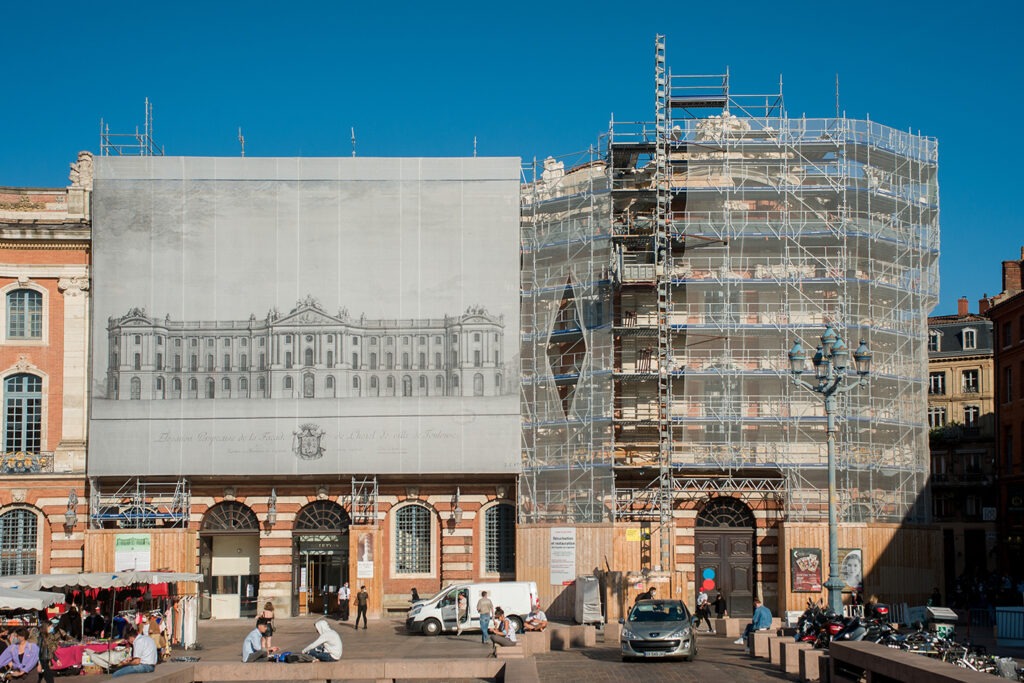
(517, 623)
(693, 654)
(431, 627)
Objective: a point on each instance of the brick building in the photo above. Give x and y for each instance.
(1007, 314)
(44, 281)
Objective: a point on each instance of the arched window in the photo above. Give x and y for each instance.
(373, 361)
(24, 314)
(330, 359)
(391, 383)
(261, 384)
(355, 360)
(406, 385)
(287, 382)
(309, 357)
(726, 512)
(373, 383)
(160, 383)
(329, 382)
(176, 385)
(405, 361)
(193, 386)
(194, 362)
(136, 388)
(230, 516)
(478, 384)
(137, 362)
(423, 383)
(500, 539)
(322, 515)
(243, 386)
(355, 382)
(412, 540)
(243, 361)
(439, 382)
(23, 413)
(19, 537)
(225, 384)
(209, 363)
(227, 361)
(211, 388)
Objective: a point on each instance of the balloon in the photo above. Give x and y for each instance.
(708, 573)
(709, 584)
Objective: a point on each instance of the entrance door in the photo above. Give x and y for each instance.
(319, 556)
(724, 549)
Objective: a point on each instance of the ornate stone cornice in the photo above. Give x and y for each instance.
(73, 286)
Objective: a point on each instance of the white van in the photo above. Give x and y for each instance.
(438, 614)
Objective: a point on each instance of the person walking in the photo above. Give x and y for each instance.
(362, 600)
(485, 608)
(720, 609)
(344, 595)
(704, 610)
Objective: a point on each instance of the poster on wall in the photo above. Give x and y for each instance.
(131, 552)
(851, 569)
(364, 556)
(563, 556)
(805, 568)
(259, 316)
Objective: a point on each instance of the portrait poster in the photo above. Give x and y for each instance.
(805, 569)
(851, 569)
(364, 560)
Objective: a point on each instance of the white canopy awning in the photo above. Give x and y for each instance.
(19, 598)
(35, 582)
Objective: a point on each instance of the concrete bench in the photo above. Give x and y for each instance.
(789, 655)
(535, 642)
(560, 637)
(612, 633)
(760, 648)
(813, 666)
(517, 651)
(775, 648)
(350, 669)
(851, 661)
(582, 636)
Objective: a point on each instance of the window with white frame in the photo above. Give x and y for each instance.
(969, 382)
(936, 383)
(412, 540)
(24, 314)
(500, 539)
(936, 416)
(19, 538)
(970, 338)
(933, 342)
(23, 414)
(971, 415)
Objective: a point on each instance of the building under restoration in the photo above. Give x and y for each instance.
(665, 276)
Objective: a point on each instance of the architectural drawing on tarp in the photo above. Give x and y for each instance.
(306, 353)
(666, 275)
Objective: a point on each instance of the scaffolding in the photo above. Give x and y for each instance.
(140, 144)
(710, 239)
(140, 505)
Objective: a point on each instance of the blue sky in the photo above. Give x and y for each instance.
(527, 79)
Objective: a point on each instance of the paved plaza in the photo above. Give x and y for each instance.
(719, 661)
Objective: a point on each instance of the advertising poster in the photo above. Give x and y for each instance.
(131, 552)
(563, 556)
(364, 561)
(851, 569)
(805, 566)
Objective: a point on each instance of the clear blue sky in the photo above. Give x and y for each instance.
(527, 79)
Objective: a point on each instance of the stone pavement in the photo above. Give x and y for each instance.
(718, 661)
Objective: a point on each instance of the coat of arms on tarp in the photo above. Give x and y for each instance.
(306, 443)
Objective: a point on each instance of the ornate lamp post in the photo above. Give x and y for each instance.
(831, 361)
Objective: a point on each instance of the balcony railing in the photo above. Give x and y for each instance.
(26, 463)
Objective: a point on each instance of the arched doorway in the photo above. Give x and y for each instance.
(229, 559)
(319, 556)
(724, 549)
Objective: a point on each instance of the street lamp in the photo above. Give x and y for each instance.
(831, 361)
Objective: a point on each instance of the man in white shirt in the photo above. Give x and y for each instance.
(536, 620)
(344, 595)
(144, 655)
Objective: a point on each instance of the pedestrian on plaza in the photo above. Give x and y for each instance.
(268, 615)
(704, 610)
(23, 656)
(252, 647)
(143, 659)
(503, 633)
(762, 621)
(721, 611)
(484, 608)
(344, 595)
(646, 595)
(326, 648)
(415, 597)
(362, 600)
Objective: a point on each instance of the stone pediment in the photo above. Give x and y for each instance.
(307, 316)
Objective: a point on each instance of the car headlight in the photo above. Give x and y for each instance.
(680, 632)
(415, 610)
(628, 635)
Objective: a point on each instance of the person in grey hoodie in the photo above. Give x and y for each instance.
(326, 648)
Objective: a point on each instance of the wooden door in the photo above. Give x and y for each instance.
(726, 556)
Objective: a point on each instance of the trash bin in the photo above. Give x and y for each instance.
(941, 621)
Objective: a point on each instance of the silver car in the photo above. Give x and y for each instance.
(658, 629)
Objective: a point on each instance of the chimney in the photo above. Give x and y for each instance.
(962, 307)
(1011, 277)
(984, 304)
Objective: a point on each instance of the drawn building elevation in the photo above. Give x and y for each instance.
(306, 353)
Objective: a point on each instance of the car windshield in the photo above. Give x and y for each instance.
(658, 611)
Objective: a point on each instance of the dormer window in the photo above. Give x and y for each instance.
(970, 338)
(933, 341)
